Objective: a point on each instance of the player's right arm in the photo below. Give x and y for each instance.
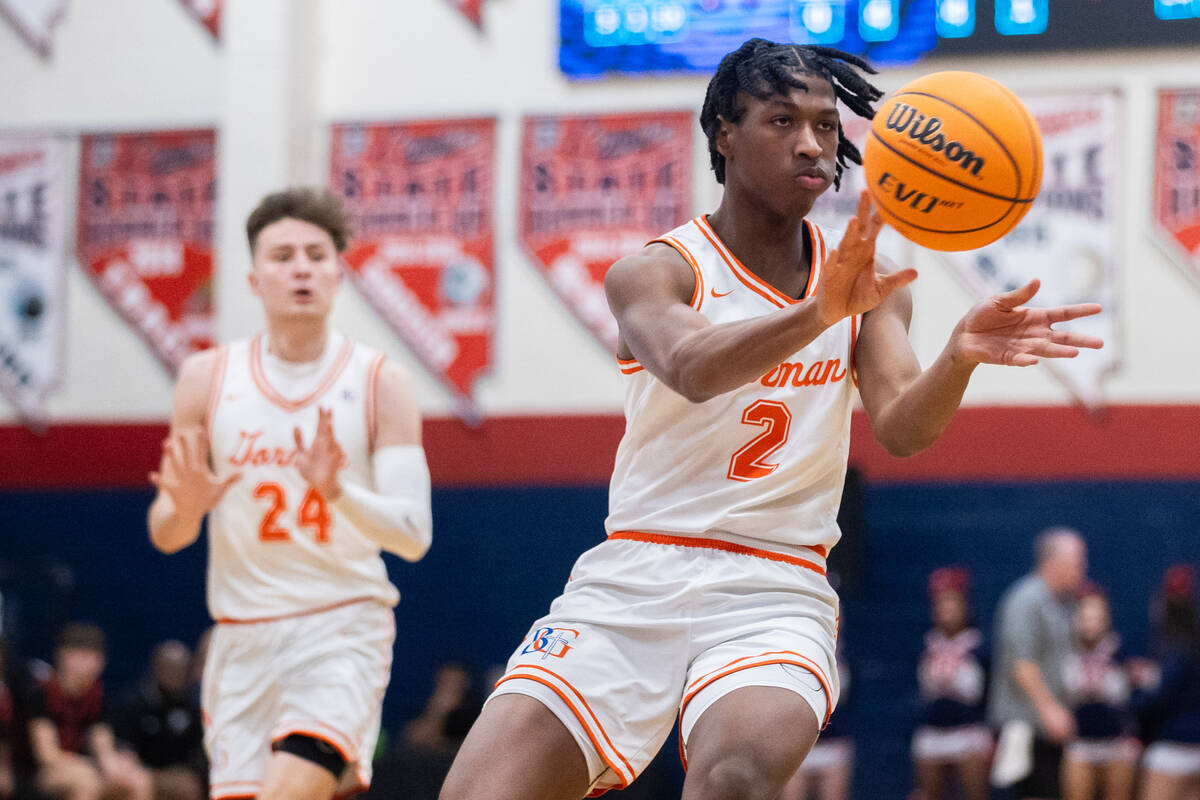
(649, 294)
(187, 487)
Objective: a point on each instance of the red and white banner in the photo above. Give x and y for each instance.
(145, 233)
(834, 209)
(471, 9)
(594, 189)
(1069, 239)
(1177, 177)
(421, 198)
(32, 270)
(207, 12)
(35, 20)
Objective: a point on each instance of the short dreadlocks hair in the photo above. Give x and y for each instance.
(763, 69)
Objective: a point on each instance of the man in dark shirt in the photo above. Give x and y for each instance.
(162, 723)
(72, 748)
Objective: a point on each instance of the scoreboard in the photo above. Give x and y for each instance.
(664, 36)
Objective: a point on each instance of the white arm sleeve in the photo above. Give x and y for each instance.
(396, 516)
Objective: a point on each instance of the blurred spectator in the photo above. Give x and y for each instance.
(7, 778)
(71, 747)
(1027, 701)
(953, 741)
(162, 723)
(1168, 704)
(417, 768)
(829, 767)
(1102, 760)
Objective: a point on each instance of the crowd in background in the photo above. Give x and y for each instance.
(1048, 705)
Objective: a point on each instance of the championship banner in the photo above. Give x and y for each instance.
(32, 271)
(420, 198)
(594, 189)
(1177, 177)
(207, 12)
(834, 210)
(1069, 238)
(35, 20)
(471, 9)
(145, 233)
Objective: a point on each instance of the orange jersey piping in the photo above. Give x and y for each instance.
(369, 399)
(681, 248)
(268, 391)
(748, 278)
(217, 385)
(729, 547)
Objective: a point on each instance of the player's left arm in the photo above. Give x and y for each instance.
(395, 511)
(910, 408)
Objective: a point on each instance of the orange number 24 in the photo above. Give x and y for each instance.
(313, 514)
(750, 461)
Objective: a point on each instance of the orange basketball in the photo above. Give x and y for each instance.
(953, 161)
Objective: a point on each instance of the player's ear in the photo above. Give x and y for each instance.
(252, 279)
(724, 136)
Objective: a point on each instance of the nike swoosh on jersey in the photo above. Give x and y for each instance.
(714, 292)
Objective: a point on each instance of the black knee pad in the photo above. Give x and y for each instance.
(310, 748)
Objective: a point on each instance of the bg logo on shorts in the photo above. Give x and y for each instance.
(551, 642)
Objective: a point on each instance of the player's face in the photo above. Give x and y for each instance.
(784, 150)
(1091, 618)
(79, 667)
(950, 611)
(296, 270)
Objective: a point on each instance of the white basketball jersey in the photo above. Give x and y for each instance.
(765, 462)
(275, 547)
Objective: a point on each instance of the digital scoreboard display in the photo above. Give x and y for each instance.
(664, 36)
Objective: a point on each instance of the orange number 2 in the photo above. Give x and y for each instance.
(750, 462)
(313, 514)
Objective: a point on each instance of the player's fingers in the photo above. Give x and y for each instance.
(1019, 296)
(897, 280)
(173, 459)
(298, 439)
(874, 225)
(1077, 339)
(1064, 313)
(199, 447)
(1023, 360)
(230, 481)
(1052, 350)
(183, 449)
(863, 213)
(155, 479)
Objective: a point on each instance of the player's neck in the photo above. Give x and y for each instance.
(297, 341)
(769, 245)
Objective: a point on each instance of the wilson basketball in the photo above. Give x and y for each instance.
(953, 160)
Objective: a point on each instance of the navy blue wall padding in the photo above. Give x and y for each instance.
(501, 555)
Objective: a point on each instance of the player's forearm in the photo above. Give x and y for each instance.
(721, 358)
(397, 515)
(171, 530)
(921, 410)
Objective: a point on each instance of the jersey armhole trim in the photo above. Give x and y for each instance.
(369, 400)
(629, 366)
(679, 247)
(216, 386)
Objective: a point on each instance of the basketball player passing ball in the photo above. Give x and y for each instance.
(304, 450)
(741, 336)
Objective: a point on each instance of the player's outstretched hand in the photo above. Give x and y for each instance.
(319, 465)
(849, 282)
(1002, 330)
(186, 475)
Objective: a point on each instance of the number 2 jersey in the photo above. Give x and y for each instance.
(276, 548)
(762, 464)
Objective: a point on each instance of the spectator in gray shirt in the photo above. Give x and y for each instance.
(1032, 640)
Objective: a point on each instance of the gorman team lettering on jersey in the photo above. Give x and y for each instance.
(275, 546)
(761, 465)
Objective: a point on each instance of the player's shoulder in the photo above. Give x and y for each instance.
(198, 368)
(658, 265)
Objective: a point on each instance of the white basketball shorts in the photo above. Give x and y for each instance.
(951, 744)
(1173, 758)
(652, 626)
(321, 674)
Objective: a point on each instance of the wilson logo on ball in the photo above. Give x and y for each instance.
(903, 118)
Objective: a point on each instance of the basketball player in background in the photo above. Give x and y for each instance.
(741, 335)
(304, 450)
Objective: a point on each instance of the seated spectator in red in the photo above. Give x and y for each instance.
(7, 781)
(953, 743)
(162, 723)
(74, 753)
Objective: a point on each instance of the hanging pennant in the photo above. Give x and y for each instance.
(420, 195)
(35, 20)
(32, 271)
(1069, 238)
(207, 12)
(1177, 177)
(145, 233)
(594, 189)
